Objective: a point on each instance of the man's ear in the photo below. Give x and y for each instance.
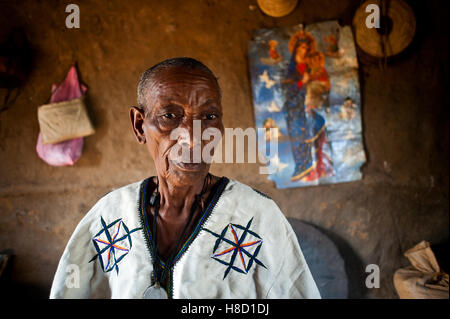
(137, 121)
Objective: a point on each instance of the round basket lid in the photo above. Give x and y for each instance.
(324, 260)
(396, 32)
(277, 8)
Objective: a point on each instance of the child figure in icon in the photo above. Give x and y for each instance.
(318, 87)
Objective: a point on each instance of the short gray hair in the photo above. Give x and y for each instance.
(179, 62)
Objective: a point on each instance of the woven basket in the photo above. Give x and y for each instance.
(277, 8)
(399, 37)
(64, 121)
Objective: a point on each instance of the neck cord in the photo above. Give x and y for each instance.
(160, 274)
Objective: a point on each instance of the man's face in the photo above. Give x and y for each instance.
(176, 98)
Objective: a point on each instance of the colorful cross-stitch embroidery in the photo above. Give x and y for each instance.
(237, 246)
(111, 249)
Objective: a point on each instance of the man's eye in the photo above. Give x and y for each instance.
(211, 116)
(169, 116)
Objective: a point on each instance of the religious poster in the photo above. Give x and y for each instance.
(305, 88)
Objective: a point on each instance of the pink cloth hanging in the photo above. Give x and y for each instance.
(66, 152)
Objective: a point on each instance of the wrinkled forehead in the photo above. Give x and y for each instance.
(189, 87)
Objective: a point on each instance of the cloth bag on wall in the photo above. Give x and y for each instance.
(63, 123)
(424, 279)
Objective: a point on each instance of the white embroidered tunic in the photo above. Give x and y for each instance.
(241, 247)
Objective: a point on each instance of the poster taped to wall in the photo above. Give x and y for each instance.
(305, 86)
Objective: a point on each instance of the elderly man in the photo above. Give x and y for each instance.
(183, 233)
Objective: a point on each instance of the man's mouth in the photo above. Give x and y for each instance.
(188, 166)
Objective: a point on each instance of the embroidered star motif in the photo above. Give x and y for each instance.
(111, 249)
(236, 245)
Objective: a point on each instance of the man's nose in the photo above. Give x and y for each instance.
(192, 138)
